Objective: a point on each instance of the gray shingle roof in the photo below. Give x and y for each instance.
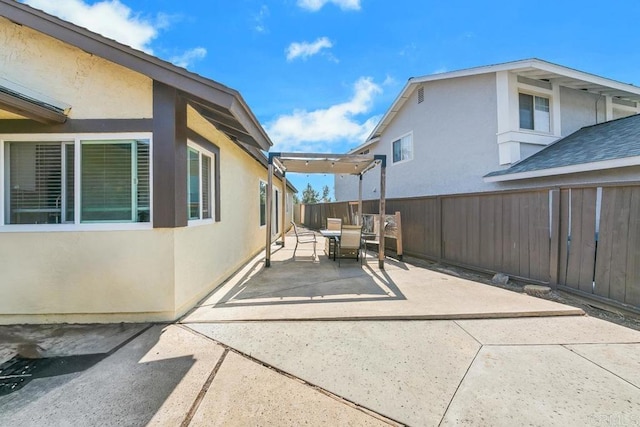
(611, 140)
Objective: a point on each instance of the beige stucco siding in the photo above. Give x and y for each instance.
(107, 274)
(95, 88)
(205, 255)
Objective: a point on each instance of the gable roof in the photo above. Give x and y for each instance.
(603, 146)
(223, 106)
(531, 68)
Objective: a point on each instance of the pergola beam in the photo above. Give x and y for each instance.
(324, 163)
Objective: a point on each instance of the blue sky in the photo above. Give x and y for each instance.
(319, 74)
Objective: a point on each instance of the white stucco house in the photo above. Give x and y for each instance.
(129, 187)
(445, 132)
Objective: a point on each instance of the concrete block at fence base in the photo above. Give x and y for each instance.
(500, 279)
(537, 290)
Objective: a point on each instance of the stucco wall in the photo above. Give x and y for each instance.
(454, 142)
(205, 255)
(578, 109)
(94, 87)
(82, 276)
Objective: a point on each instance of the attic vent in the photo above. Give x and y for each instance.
(420, 95)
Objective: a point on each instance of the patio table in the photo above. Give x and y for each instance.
(332, 235)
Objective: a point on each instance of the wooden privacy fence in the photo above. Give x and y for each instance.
(601, 228)
(585, 239)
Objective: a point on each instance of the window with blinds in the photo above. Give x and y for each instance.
(106, 183)
(263, 203)
(35, 183)
(41, 177)
(206, 187)
(199, 170)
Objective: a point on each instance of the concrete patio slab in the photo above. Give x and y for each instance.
(154, 379)
(247, 393)
(405, 370)
(540, 385)
(307, 288)
(548, 330)
(622, 360)
(36, 341)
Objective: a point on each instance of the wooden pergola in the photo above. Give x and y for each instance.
(337, 164)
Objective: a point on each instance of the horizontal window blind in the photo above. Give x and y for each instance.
(143, 192)
(106, 181)
(34, 193)
(69, 189)
(206, 187)
(194, 184)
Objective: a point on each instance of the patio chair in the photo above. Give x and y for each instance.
(350, 242)
(334, 224)
(372, 237)
(304, 237)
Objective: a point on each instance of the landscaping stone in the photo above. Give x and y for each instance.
(500, 279)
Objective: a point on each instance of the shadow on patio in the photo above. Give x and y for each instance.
(308, 280)
(316, 288)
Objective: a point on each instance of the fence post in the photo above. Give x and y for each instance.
(439, 233)
(554, 250)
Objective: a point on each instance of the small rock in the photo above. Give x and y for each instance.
(537, 290)
(500, 279)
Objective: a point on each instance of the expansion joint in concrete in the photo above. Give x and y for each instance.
(203, 391)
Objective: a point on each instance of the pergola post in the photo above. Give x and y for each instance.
(283, 208)
(269, 207)
(359, 217)
(382, 208)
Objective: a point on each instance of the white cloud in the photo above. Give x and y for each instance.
(316, 130)
(110, 18)
(316, 5)
(189, 57)
(259, 19)
(306, 49)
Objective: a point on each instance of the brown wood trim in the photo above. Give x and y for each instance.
(169, 158)
(19, 126)
(210, 146)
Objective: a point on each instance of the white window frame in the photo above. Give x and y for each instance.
(276, 210)
(266, 188)
(76, 140)
(535, 95)
(400, 138)
(212, 187)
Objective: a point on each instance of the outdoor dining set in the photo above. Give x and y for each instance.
(347, 240)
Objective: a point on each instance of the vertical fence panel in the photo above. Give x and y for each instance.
(450, 229)
(620, 235)
(564, 236)
(588, 232)
(473, 231)
(605, 241)
(488, 233)
(575, 239)
(632, 294)
(524, 233)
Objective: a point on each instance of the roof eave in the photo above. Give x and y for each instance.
(564, 170)
(32, 110)
(138, 61)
